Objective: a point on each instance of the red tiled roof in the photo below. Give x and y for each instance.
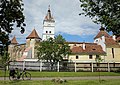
(81, 43)
(33, 35)
(14, 41)
(102, 33)
(111, 43)
(76, 49)
(89, 50)
(118, 39)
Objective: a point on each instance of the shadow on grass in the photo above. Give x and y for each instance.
(14, 82)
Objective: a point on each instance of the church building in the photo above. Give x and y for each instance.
(105, 46)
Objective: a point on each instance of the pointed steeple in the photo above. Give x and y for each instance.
(102, 33)
(102, 28)
(33, 35)
(49, 17)
(14, 41)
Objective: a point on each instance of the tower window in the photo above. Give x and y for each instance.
(46, 31)
(90, 56)
(97, 56)
(49, 31)
(77, 57)
(113, 52)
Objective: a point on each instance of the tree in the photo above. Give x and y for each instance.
(59, 39)
(11, 14)
(98, 61)
(4, 61)
(52, 51)
(104, 12)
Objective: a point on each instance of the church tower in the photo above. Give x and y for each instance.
(48, 26)
(31, 42)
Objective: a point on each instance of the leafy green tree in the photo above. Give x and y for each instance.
(4, 62)
(59, 39)
(98, 61)
(11, 14)
(104, 12)
(52, 51)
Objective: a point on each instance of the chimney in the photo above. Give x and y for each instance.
(103, 38)
(83, 45)
(114, 37)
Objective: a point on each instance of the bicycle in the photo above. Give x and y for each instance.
(14, 74)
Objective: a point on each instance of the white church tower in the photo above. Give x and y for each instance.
(48, 26)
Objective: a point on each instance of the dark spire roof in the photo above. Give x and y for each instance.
(49, 17)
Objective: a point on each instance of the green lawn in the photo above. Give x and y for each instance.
(66, 74)
(76, 82)
(72, 74)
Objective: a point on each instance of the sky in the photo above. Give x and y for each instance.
(68, 22)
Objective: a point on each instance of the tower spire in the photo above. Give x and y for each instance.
(49, 7)
(48, 26)
(49, 16)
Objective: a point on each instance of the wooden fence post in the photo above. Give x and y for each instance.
(108, 67)
(41, 66)
(92, 66)
(23, 65)
(58, 64)
(75, 66)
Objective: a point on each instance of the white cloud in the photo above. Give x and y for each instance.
(65, 12)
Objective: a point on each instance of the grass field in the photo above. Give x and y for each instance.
(66, 74)
(76, 82)
(72, 74)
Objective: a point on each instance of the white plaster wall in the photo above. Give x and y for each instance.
(101, 41)
(48, 26)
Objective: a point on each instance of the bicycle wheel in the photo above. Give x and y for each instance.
(26, 76)
(14, 77)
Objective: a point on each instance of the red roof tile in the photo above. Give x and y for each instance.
(33, 35)
(102, 33)
(118, 39)
(111, 43)
(14, 41)
(89, 50)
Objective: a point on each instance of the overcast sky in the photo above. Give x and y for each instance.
(68, 23)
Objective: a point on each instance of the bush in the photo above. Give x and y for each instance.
(59, 80)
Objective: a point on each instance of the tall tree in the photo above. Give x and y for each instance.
(52, 51)
(11, 14)
(104, 12)
(59, 39)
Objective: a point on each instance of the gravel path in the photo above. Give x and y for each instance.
(71, 78)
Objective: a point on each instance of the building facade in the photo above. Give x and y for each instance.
(105, 46)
